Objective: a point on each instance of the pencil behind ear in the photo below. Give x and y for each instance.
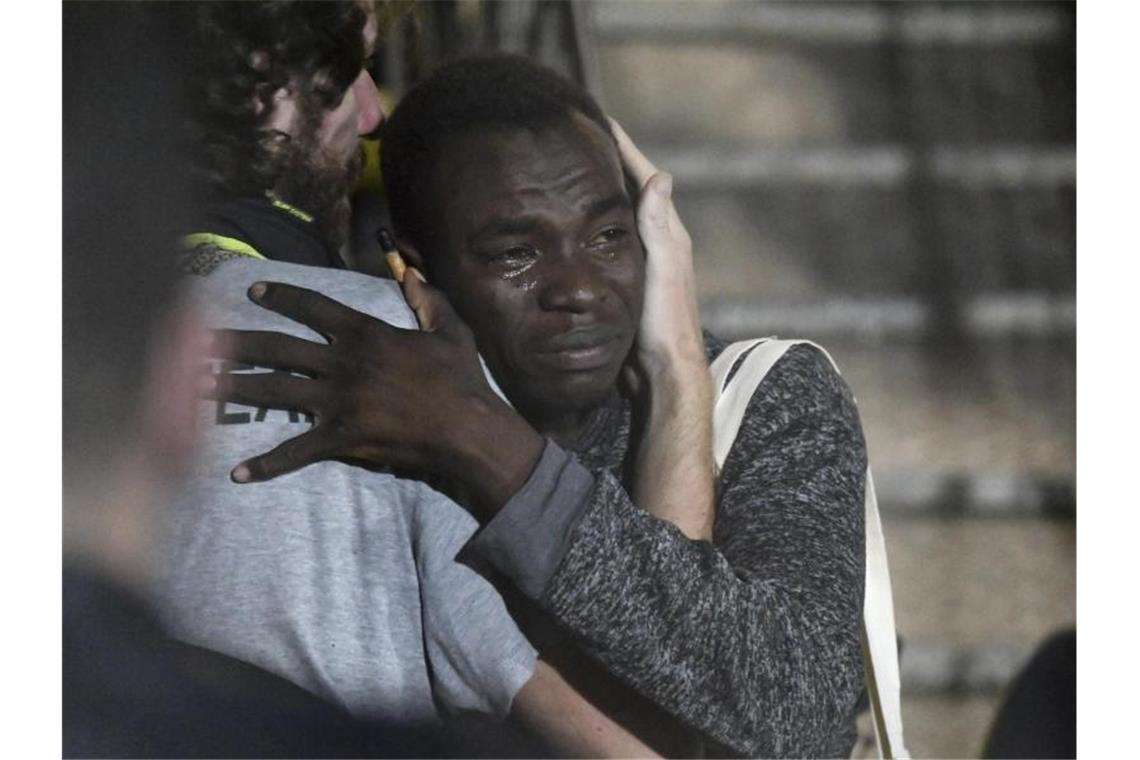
(431, 307)
(411, 254)
(398, 255)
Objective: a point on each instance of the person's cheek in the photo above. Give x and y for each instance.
(513, 320)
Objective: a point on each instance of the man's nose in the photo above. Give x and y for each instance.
(370, 114)
(571, 285)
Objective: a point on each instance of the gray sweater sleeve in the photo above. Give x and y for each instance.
(754, 638)
(528, 537)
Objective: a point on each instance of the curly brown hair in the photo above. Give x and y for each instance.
(245, 52)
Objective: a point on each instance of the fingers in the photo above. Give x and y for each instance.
(270, 390)
(630, 380)
(270, 349)
(430, 305)
(656, 215)
(324, 315)
(634, 161)
(655, 212)
(294, 454)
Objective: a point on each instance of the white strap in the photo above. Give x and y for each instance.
(880, 648)
(728, 358)
(726, 420)
(880, 645)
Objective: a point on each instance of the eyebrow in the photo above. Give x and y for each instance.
(521, 224)
(605, 205)
(504, 226)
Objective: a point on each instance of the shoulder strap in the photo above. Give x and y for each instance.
(880, 644)
(731, 402)
(880, 647)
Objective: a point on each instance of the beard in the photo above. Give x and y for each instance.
(320, 183)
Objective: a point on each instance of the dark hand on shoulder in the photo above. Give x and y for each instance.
(413, 400)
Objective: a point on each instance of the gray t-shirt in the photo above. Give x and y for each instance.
(340, 579)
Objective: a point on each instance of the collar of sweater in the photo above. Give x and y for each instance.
(275, 229)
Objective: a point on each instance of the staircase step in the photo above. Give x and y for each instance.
(848, 23)
(993, 315)
(784, 93)
(978, 494)
(947, 725)
(815, 242)
(720, 167)
(978, 419)
(934, 666)
(992, 587)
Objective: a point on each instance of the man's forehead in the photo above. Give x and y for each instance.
(574, 154)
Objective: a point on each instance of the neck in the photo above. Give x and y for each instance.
(568, 427)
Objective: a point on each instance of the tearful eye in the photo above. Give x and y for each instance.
(608, 238)
(514, 258)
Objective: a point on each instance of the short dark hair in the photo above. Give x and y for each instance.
(487, 90)
(243, 53)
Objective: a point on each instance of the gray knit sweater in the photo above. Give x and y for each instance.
(752, 639)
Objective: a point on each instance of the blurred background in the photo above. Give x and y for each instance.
(896, 181)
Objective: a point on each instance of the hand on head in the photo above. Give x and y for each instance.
(673, 472)
(669, 333)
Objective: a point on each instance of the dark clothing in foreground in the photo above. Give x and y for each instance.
(130, 691)
(752, 639)
(1039, 715)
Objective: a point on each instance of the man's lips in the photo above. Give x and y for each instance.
(581, 350)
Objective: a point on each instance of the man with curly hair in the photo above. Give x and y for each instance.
(341, 580)
(128, 689)
(279, 94)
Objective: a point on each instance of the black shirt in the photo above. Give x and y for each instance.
(276, 230)
(131, 691)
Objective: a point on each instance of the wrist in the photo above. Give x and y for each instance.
(677, 371)
(681, 353)
(684, 391)
(492, 452)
